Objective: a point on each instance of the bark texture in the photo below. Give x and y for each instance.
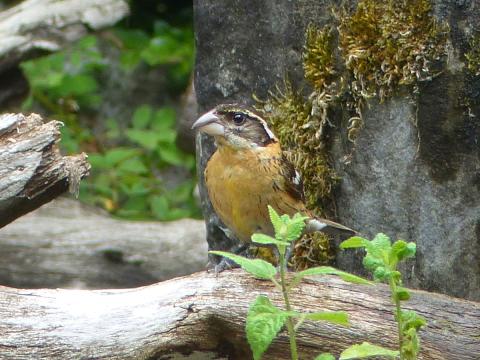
(413, 172)
(87, 249)
(33, 171)
(203, 317)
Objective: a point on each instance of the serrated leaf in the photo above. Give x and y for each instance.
(379, 246)
(257, 267)
(328, 270)
(334, 317)
(275, 219)
(354, 242)
(325, 356)
(266, 240)
(264, 321)
(365, 350)
(294, 229)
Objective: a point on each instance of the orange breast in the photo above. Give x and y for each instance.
(241, 183)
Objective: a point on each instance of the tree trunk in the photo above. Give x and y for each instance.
(203, 316)
(88, 249)
(33, 172)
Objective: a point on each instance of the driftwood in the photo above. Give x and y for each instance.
(47, 25)
(32, 170)
(202, 317)
(85, 248)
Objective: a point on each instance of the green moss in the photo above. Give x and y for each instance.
(318, 57)
(382, 45)
(300, 133)
(390, 43)
(473, 55)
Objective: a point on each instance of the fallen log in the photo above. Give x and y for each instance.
(32, 170)
(88, 249)
(35, 26)
(202, 316)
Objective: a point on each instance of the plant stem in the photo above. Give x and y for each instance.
(290, 326)
(398, 317)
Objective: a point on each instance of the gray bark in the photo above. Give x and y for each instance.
(203, 317)
(414, 170)
(33, 171)
(70, 245)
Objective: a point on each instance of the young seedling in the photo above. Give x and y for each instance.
(264, 319)
(382, 259)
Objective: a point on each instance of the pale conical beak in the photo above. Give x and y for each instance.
(209, 123)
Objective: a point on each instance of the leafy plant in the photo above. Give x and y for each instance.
(123, 179)
(382, 259)
(264, 319)
(130, 167)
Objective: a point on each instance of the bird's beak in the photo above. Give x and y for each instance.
(209, 123)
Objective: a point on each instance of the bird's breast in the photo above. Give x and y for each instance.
(239, 186)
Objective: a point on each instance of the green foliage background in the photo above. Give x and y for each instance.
(127, 161)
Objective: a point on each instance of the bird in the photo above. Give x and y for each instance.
(248, 171)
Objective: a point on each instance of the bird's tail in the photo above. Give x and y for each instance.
(328, 227)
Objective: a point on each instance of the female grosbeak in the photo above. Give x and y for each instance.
(248, 171)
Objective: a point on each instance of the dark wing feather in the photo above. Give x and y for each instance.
(293, 180)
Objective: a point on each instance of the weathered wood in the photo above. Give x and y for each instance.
(32, 170)
(47, 25)
(88, 249)
(203, 316)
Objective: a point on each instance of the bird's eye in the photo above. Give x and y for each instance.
(239, 118)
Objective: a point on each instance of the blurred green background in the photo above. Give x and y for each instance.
(119, 93)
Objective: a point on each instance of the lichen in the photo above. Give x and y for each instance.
(473, 55)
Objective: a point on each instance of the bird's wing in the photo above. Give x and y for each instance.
(293, 182)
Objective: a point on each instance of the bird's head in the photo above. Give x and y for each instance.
(235, 126)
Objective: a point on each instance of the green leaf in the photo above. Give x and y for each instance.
(365, 350)
(402, 250)
(265, 239)
(145, 138)
(275, 219)
(116, 156)
(257, 267)
(264, 321)
(163, 119)
(295, 227)
(401, 294)
(135, 166)
(379, 246)
(171, 155)
(411, 320)
(328, 270)
(141, 117)
(159, 206)
(334, 317)
(354, 242)
(325, 356)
